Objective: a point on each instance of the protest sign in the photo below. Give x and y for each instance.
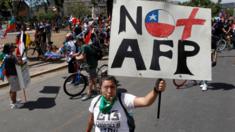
(23, 75)
(156, 39)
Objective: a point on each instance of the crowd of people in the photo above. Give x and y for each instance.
(80, 46)
(224, 27)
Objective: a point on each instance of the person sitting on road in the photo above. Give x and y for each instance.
(111, 104)
(52, 53)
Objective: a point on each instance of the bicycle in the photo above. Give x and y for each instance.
(223, 43)
(220, 44)
(76, 83)
(34, 51)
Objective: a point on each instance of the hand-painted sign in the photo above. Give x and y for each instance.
(155, 39)
(23, 75)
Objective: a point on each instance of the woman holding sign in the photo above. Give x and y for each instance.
(110, 111)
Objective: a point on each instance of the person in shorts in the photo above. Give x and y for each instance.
(88, 54)
(10, 61)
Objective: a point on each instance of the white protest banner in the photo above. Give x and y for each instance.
(23, 75)
(156, 39)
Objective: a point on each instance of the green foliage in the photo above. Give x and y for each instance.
(59, 3)
(79, 10)
(5, 4)
(46, 16)
(94, 2)
(215, 7)
(229, 11)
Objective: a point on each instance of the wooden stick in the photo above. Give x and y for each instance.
(159, 98)
(25, 99)
(159, 105)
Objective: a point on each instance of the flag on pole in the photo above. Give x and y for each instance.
(20, 45)
(87, 38)
(28, 40)
(11, 26)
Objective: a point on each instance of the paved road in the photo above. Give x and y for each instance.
(57, 38)
(185, 110)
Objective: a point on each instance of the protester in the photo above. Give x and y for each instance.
(48, 31)
(88, 54)
(69, 50)
(109, 105)
(10, 61)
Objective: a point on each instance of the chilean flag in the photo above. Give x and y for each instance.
(159, 23)
(11, 26)
(87, 38)
(20, 46)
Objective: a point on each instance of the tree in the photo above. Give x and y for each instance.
(5, 4)
(215, 7)
(79, 10)
(46, 16)
(59, 6)
(94, 2)
(5, 8)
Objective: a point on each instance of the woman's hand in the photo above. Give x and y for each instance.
(160, 85)
(148, 99)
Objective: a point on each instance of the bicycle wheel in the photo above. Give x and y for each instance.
(221, 44)
(102, 71)
(179, 83)
(75, 84)
(32, 53)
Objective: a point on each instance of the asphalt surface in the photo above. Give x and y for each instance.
(37, 68)
(188, 109)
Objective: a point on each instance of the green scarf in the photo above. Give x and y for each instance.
(105, 105)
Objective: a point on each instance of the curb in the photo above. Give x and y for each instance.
(38, 74)
(43, 72)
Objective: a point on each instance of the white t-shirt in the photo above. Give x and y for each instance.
(116, 121)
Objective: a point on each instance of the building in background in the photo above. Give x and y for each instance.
(95, 9)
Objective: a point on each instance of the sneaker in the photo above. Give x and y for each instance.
(17, 101)
(16, 105)
(201, 85)
(86, 97)
(73, 81)
(204, 87)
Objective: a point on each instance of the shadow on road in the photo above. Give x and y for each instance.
(43, 102)
(40, 103)
(218, 86)
(50, 90)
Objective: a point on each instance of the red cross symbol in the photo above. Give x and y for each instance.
(188, 23)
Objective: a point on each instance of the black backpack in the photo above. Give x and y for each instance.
(98, 52)
(130, 119)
